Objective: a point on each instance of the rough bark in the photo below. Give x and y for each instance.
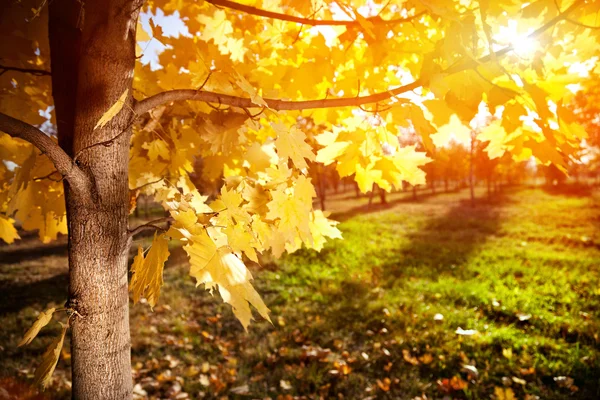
(93, 55)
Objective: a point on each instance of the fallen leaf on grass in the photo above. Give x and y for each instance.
(244, 389)
(384, 384)
(285, 385)
(409, 358)
(466, 332)
(426, 358)
(566, 382)
(523, 317)
(453, 384)
(519, 381)
(471, 370)
(527, 371)
(504, 393)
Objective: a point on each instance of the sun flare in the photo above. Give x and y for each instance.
(511, 35)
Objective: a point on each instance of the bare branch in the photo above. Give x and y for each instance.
(574, 22)
(49, 176)
(302, 20)
(150, 226)
(147, 184)
(63, 163)
(33, 71)
(242, 102)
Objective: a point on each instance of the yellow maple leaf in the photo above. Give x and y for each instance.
(42, 320)
(250, 90)
(220, 268)
(112, 111)
(407, 160)
(257, 198)
(43, 373)
(228, 208)
(291, 144)
(496, 136)
(236, 49)
(291, 211)
(453, 130)
(331, 151)
(366, 176)
(322, 227)
(147, 273)
(217, 27)
(157, 148)
(241, 240)
(8, 233)
(198, 202)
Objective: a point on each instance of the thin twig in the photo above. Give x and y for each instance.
(40, 178)
(150, 226)
(32, 71)
(106, 143)
(147, 184)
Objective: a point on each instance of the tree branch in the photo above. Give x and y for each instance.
(302, 20)
(63, 163)
(33, 71)
(242, 102)
(150, 226)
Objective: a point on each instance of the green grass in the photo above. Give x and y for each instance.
(357, 319)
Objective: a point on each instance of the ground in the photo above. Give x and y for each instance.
(431, 297)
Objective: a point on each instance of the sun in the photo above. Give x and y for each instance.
(522, 43)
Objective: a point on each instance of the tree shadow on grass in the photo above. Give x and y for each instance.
(445, 243)
(17, 296)
(441, 246)
(378, 206)
(356, 311)
(569, 190)
(17, 255)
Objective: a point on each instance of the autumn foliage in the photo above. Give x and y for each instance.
(261, 91)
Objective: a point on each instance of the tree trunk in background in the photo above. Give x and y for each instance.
(92, 57)
(382, 195)
(322, 186)
(471, 170)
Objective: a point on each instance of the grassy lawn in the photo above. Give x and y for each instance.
(432, 297)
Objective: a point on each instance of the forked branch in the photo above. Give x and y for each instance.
(61, 160)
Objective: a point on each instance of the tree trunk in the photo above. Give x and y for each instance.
(321, 187)
(471, 170)
(382, 195)
(93, 55)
